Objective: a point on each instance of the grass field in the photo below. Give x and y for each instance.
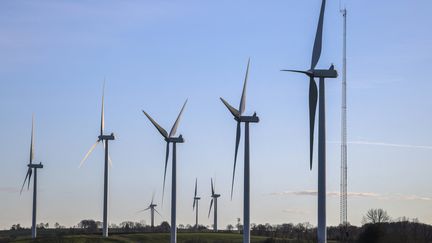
(158, 237)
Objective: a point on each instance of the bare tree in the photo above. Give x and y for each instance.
(376, 216)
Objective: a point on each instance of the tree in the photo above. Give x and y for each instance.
(165, 227)
(230, 227)
(371, 234)
(376, 216)
(16, 227)
(88, 224)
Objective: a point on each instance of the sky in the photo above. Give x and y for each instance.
(156, 54)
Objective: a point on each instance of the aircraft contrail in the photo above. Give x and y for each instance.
(359, 142)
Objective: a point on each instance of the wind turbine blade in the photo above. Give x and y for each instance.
(318, 38)
(176, 123)
(157, 212)
(233, 110)
(109, 157)
(162, 131)
(25, 179)
(313, 99)
(153, 195)
(193, 206)
(143, 210)
(211, 204)
(165, 171)
(32, 142)
(243, 97)
(88, 154)
(242, 106)
(102, 111)
(30, 171)
(238, 134)
(196, 181)
(296, 71)
(212, 187)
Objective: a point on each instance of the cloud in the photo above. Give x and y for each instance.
(9, 189)
(410, 146)
(373, 195)
(330, 194)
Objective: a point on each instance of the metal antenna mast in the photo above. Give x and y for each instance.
(343, 185)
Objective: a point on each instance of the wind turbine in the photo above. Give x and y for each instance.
(104, 139)
(152, 208)
(170, 138)
(195, 203)
(27, 179)
(238, 116)
(213, 202)
(313, 73)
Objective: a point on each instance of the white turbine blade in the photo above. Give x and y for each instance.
(25, 179)
(316, 53)
(109, 157)
(243, 97)
(162, 131)
(211, 205)
(88, 154)
(233, 110)
(158, 212)
(143, 210)
(176, 123)
(212, 187)
(196, 181)
(102, 111)
(32, 142)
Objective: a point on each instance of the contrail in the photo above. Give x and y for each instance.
(386, 144)
(396, 196)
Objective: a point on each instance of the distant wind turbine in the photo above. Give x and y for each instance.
(213, 203)
(195, 204)
(104, 139)
(27, 179)
(152, 208)
(169, 138)
(246, 120)
(313, 73)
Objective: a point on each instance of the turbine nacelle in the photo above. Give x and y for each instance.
(106, 137)
(197, 198)
(178, 139)
(251, 119)
(35, 166)
(215, 195)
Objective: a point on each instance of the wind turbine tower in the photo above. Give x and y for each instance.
(170, 138)
(32, 167)
(152, 208)
(240, 118)
(318, 96)
(102, 138)
(213, 202)
(195, 204)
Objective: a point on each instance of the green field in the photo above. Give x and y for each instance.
(158, 237)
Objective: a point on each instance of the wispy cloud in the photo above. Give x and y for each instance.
(9, 189)
(409, 146)
(374, 195)
(330, 194)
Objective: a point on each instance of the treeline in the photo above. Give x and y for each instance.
(377, 227)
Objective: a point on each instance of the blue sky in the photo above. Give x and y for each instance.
(155, 54)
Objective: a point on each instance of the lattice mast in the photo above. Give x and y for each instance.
(343, 185)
